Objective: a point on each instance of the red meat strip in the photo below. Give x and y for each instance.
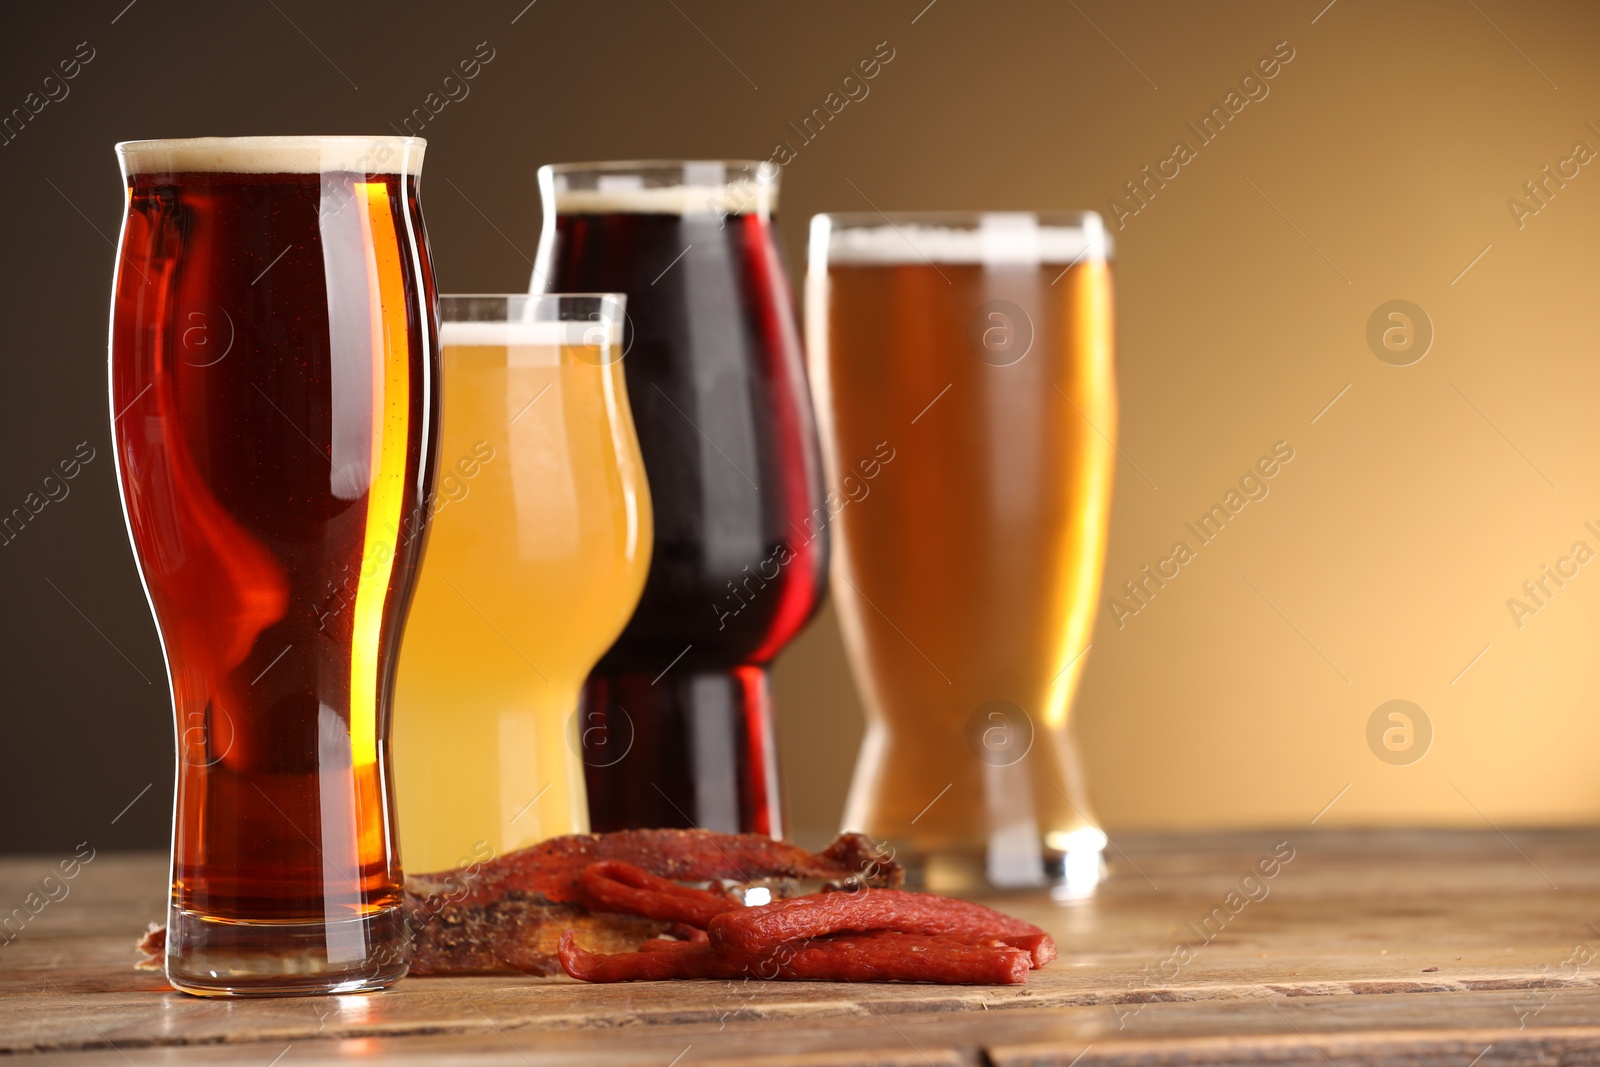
(507, 913)
(873, 910)
(550, 870)
(612, 885)
(881, 957)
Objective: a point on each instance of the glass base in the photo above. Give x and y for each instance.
(1006, 820)
(1069, 874)
(219, 958)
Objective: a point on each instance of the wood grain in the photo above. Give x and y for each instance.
(1363, 947)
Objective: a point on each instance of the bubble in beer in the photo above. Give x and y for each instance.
(1000, 733)
(1399, 732)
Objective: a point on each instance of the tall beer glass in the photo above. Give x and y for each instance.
(976, 350)
(718, 388)
(274, 400)
(538, 550)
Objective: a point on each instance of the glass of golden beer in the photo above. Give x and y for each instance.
(962, 369)
(538, 549)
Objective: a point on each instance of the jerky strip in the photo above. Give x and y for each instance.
(612, 885)
(550, 870)
(884, 957)
(517, 933)
(752, 929)
(507, 914)
(154, 946)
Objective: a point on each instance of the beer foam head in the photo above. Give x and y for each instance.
(530, 334)
(273, 155)
(710, 187)
(995, 238)
(534, 330)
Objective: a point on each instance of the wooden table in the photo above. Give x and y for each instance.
(1391, 947)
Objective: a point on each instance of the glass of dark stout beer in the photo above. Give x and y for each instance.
(274, 398)
(976, 350)
(676, 721)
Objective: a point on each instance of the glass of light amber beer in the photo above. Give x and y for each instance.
(962, 367)
(273, 396)
(538, 551)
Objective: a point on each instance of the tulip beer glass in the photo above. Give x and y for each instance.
(677, 716)
(537, 551)
(274, 398)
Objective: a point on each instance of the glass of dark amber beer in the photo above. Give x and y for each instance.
(274, 398)
(677, 721)
(976, 350)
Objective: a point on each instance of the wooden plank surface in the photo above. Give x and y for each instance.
(1361, 947)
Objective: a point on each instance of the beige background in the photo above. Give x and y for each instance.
(1408, 517)
(1378, 168)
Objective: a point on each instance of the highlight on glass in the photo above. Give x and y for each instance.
(274, 399)
(972, 354)
(538, 550)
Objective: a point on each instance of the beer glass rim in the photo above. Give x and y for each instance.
(628, 166)
(516, 307)
(584, 320)
(980, 236)
(684, 187)
(309, 154)
(960, 219)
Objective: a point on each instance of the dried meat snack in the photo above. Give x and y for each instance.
(685, 932)
(868, 911)
(519, 932)
(612, 885)
(881, 957)
(551, 869)
(154, 946)
(664, 944)
(508, 913)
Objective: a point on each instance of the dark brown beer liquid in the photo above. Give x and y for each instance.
(274, 387)
(677, 718)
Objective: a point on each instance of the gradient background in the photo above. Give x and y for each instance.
(1378, 168)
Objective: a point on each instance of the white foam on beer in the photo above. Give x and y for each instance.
(705, 190)
(999, 238)
(576, 333)
(274, 155)
(727, 199)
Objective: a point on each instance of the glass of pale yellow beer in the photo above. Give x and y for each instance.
(963, 373)
(536, 556)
